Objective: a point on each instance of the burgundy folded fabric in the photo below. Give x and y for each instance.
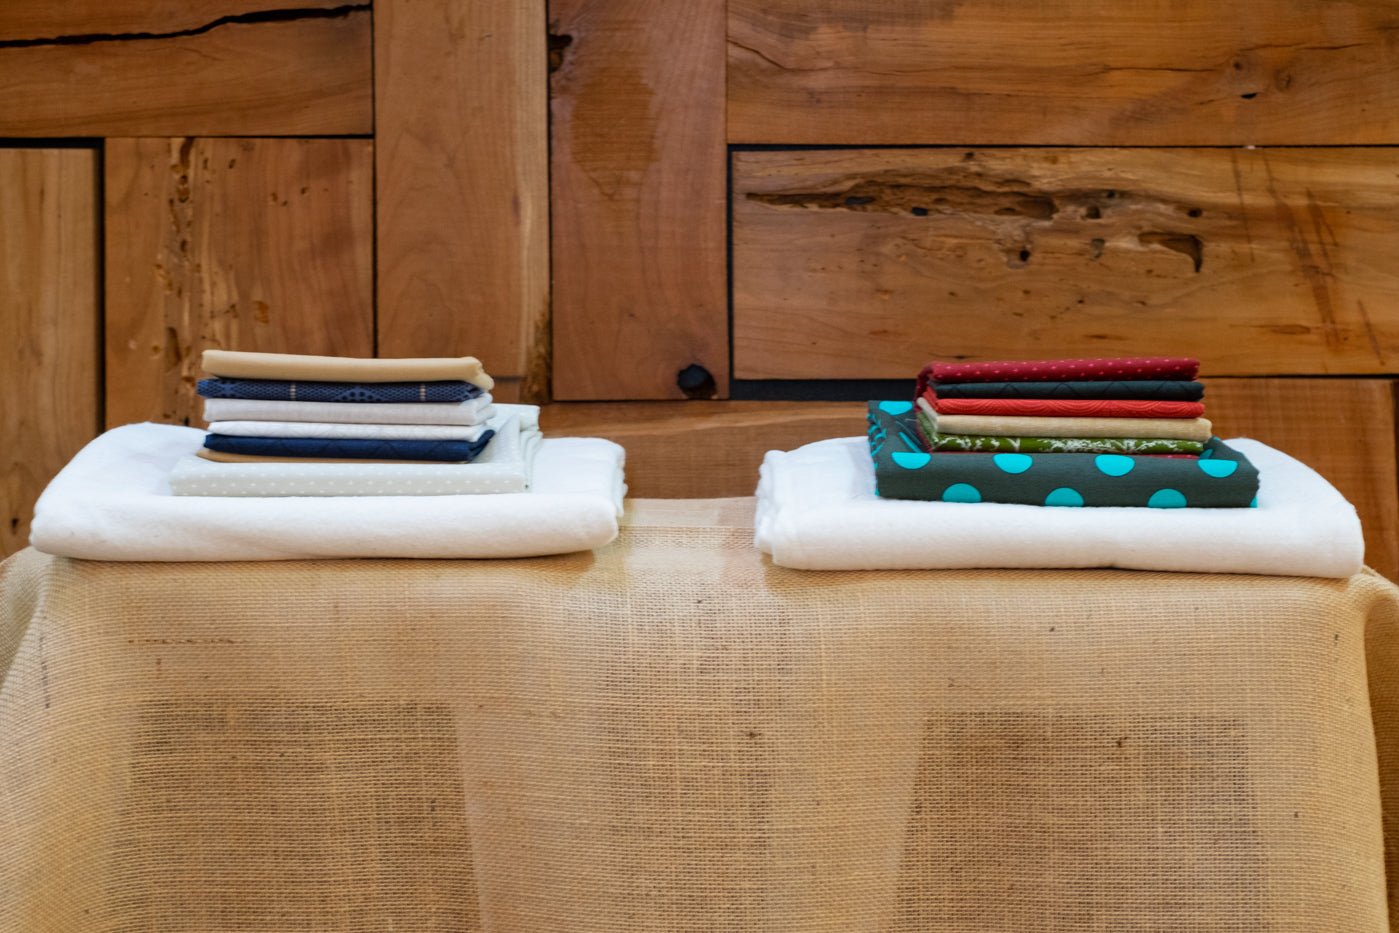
(1066, 408)
(1084, 370)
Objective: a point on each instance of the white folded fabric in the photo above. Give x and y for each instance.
(504, 466)
(113, 502)
(817, 510)
(472, 411)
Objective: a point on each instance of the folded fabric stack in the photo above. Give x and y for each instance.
(1085, 432)
(293, 425)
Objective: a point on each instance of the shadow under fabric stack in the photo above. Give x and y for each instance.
(292, 425)
(1087, 432)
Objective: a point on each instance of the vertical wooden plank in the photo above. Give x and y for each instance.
(49, 362)
(638, 199)
(462, 188)
(1342, 428)
(248, 244)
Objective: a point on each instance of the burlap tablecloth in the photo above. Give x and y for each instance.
(671, 734)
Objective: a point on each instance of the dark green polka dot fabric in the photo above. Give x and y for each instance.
(1177, 390)
(1220, 477)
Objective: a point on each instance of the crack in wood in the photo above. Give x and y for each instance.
(919, 199)
(259, 16)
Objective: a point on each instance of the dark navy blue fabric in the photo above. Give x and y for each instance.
(348, 448)
(1174, 390)
(278, 390)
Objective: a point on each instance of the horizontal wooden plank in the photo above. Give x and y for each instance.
(700, 449)
(638, 200)
(1066, 72)
(864, 263)
(35, 21)
(304, 76)
(241, 244)
(1342, 428)
(49, 354)
(447, 287)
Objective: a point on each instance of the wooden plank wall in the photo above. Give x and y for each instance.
(863, 263)
(305, 177)
(989, 179)
(253, 243)
(977, 179)
(49, 353)
(639, 197)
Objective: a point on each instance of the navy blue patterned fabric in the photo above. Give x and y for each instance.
(348, 448)
(277, 390)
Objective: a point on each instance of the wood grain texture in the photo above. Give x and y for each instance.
(462, 187)
(638, 199)
(303, 76)
(700, 449)
(244, 244)
(1342, 428)
(1063, 72)
(49, 354)
(44, 20)
(863, 263)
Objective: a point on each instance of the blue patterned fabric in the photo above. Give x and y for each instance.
(348, 448)
(277, 390)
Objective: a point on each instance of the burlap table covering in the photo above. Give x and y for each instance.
(671, 734)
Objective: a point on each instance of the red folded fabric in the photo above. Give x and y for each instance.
(1068, 408)
(1081, 370)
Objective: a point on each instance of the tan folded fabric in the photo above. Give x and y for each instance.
(1187, 429)
(241, 364)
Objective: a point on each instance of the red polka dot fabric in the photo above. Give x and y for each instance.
(1080, 370)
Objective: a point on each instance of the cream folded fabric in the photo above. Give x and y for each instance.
(506, 465)
(113, 502)
(817, 510)
(1186, 429)
(471, 412)
(242, 364)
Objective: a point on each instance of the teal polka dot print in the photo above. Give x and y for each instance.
(961, 492)
(1013, 463)
(1166, 499)
(1114, 464)
(1064, 496)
